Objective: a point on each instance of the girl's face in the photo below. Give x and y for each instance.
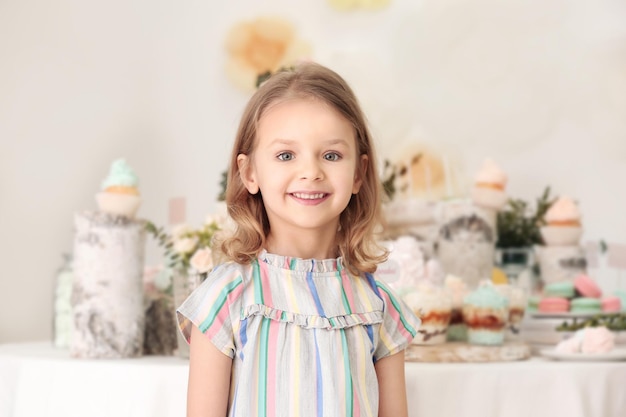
(304, 164)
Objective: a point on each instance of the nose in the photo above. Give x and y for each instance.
(311, 169)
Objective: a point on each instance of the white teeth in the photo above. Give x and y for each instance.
(308, 196)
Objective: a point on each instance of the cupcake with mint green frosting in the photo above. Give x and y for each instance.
(119, 194)
(121, 179)
(486, 314)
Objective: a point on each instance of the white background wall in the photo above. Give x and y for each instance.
(538, 85)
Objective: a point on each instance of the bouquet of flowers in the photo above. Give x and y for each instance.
(186, 248)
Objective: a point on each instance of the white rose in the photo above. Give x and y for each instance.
(210, 219)
(180, 229)
(185, 245)
(202, 260)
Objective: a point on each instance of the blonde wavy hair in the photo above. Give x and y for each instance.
(360, 220)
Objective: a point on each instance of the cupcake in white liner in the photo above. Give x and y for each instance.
(457, 290)
(119, 195)
(563, 227)
(489, 186)
(486, 313)
(433, 306)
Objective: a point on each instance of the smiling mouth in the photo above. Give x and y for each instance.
(306, 196)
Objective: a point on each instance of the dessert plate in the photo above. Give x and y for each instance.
(617, 354)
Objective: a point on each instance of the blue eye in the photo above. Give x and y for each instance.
(285, 156)
(332, 156)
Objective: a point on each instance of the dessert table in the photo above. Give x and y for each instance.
(37, 379)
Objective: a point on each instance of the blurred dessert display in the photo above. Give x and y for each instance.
(561, 258)
(434, 307)
(107, 292)
(518, 233)
(466, 240)
(566, 306)
(589, 340)
(486, 314)
(563, 226)
(517, 299)
(119, 193)
(414, 183)
(489, 186)
(405, 265)
(457, 289)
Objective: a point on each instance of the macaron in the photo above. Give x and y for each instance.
(554, 305)
(611, 304)
(621, 294)
(586, 305)
(563, 289)
(587, 287)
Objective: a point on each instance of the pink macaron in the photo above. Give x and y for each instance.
(587, 287)
(553, 305)
(611, 304)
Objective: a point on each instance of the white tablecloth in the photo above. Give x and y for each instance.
(38, 380)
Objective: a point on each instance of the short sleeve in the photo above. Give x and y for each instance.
(399, 325)
(213, 307)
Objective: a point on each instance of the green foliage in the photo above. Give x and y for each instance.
(261, 78)
(389, 177)
(203, 238)
(519, 224)
(223, 184)
(165, 241)
(612, 321)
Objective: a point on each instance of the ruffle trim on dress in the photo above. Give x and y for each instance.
(300, 264)
(313, 321)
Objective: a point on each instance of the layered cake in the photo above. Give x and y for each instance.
(108, 316)
(434, 307)
(457, 290)
(485, 313)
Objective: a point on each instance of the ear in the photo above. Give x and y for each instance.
(360, 174)
(246, 173)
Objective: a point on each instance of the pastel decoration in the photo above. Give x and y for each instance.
(563, 289)
(587, 287)
(586, 305)
(554, 305)
(611, 304)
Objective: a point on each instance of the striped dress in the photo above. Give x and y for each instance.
(303, 334)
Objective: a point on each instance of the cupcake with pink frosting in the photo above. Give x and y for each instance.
(489, 185)
(563, 227)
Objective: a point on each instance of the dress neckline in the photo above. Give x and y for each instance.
(301, 264)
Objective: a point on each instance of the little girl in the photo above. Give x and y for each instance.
(296, 324)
